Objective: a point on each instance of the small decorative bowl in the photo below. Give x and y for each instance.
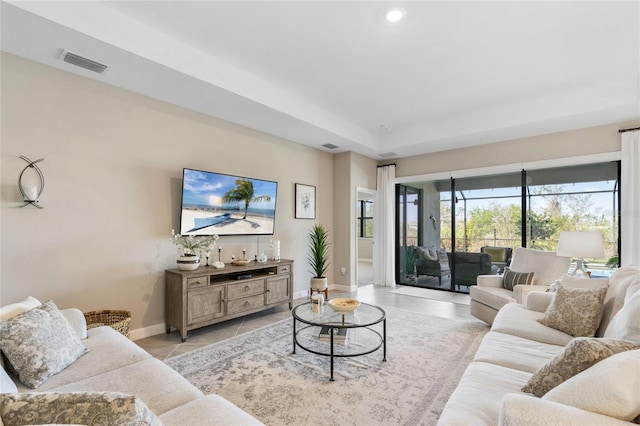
(241, 262)
(344, 305)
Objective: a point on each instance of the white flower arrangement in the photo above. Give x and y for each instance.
(189, 243)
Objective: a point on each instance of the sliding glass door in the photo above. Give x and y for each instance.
(408, 232)
(473, 225)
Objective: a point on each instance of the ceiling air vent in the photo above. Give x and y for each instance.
(388, 155)
(330, 146)
(83, 62)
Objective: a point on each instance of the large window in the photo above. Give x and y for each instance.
(464, 217)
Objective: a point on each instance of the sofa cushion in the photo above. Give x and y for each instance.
(580, 354)
(14, 309)
(617, 378)
(619, 282)
(476, 399)
(514, 319)
(511, 278)
(151, 380)
(88, 408)
(515, 352)
(625, 324)
(575, 311)
(108, 350)
(495, 297)
(39, 343)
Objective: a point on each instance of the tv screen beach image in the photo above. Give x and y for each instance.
(214, 203)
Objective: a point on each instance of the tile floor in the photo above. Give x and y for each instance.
(164, 346)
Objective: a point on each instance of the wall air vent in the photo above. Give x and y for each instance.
(388, 155)
(330, 146)
(83, 62)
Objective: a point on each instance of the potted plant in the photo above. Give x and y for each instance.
(318, 256)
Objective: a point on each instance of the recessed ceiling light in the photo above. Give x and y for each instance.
(394, 14)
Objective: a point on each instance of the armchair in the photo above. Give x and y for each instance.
(488, 296)
(432, 262)
(500, 256)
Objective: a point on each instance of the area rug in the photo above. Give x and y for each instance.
(425, 293)
(257, 371)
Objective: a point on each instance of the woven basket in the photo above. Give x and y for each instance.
(118, 320)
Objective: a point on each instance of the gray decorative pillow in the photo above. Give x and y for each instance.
(575, 311)
(39, 343)
(511, 278)
(579, 354)
(87, 408)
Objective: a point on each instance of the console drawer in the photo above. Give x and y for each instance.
(245, 304)
(197, 282)
(245, 288)
(283, 269)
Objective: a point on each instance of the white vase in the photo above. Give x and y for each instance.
(188, 263)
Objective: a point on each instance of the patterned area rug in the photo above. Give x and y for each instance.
(426, 357)
(426, 293)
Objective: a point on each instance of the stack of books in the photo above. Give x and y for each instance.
(339, 334)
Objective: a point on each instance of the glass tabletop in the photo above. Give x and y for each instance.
(364, 316)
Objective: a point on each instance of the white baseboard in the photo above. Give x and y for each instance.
(365, 260)
(152, 330)
(301, 294)
(341, 287)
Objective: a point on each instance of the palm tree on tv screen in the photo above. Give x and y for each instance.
(244, 192)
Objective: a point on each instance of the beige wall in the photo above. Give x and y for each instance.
(113, 165)
(593, 140)
(352, 171)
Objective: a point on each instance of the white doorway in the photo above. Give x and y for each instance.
(364, 235)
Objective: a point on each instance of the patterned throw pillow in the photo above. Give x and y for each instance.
(39, 343)
(579, 354)
(575, 311)
(511, 278)
(87, 408)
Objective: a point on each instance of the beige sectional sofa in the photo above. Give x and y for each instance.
(518, 347)
(113, 363)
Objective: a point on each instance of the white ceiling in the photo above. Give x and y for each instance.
(452, 74)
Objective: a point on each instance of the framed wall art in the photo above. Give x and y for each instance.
(305, 201)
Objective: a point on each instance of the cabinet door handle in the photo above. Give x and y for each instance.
(246, 303)
(247, 288)
(268, 290)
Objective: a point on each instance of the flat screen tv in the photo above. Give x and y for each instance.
(215, 203)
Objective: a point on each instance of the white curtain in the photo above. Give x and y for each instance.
(630, 199)
(383, 226)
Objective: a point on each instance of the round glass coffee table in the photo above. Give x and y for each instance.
(332, 334)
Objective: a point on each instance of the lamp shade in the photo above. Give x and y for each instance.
(581, 244)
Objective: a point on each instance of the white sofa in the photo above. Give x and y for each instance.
(517, 346)
(489, 295)
(116, 364)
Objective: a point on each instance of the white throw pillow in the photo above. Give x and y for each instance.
(625, 324)
(10, 311)
(610, 387)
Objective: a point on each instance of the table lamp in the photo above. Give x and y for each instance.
(581, 244)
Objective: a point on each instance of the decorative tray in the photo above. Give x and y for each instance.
(241, 262)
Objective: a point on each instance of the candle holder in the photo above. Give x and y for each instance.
(31, 193)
